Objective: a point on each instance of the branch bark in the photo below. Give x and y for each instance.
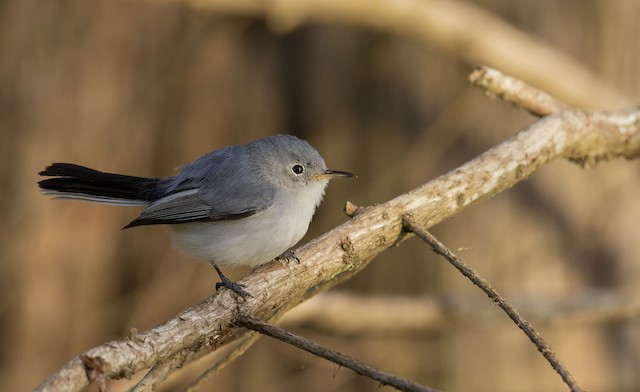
(583, 136)
(509, 89)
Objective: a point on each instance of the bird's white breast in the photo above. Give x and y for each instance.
(256, 239)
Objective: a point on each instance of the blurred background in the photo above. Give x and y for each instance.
(141, 87)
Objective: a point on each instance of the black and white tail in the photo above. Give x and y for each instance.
(81, 183)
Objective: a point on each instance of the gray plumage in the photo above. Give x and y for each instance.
(230, 183)
(239, 205)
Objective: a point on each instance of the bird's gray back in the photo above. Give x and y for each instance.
(230, 183)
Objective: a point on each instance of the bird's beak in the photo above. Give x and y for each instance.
(329, 174)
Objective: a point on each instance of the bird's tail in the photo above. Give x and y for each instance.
(76, 182)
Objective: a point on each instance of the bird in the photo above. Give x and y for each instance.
(240, 205)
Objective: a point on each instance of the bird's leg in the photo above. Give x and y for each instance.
(237, 288)
(288, 256)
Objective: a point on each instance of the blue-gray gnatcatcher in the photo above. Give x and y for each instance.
(238, 206)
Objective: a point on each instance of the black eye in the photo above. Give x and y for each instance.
(297, 169)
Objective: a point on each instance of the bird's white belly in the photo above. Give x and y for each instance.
(246, 242)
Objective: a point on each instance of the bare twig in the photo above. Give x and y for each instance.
(516, 92)
(357, 366)
(493, 294)
(160, 371)
(248, 341)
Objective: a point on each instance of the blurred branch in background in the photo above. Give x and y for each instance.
(586, 137)
(461, 27)
(346, 314)
(245, 342)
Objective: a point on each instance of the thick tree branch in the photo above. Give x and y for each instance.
(582, 136)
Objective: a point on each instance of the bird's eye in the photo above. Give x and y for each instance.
(297, 169)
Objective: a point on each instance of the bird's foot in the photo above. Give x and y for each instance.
(287, 257)
(227, 283)
(236, 287)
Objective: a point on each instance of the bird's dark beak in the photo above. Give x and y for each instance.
(337, 174)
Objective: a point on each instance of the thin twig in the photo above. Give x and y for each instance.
(515, 92)
(357, 366)
(160, 371)
(467, 271)
(248, 341)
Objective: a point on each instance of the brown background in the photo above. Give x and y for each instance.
(141, 88)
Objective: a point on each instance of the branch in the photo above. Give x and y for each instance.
(347, 314)
(248, 341)
(463, 28)
(160, 371)
(493, 294)
(331, 355)
(586, 137)
(516, 92)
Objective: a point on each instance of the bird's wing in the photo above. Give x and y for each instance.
(206, 205)
(222, 185)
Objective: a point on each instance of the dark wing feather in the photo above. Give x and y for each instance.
(223, 185)
(233, 200)
(187, 206)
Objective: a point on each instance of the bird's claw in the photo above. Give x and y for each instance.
(288, 256)
(236, 287)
